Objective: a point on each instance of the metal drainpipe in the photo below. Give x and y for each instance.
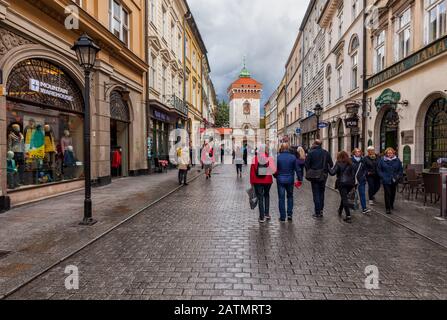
(364, 106)
(146, 44)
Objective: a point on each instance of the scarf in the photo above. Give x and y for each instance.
(389, 159)
(358, 159)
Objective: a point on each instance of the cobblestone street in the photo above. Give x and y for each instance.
(204, 242)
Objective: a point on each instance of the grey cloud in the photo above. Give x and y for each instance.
(262, 30)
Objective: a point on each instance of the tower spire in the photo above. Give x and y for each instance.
(244, 73)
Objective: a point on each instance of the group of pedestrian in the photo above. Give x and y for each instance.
(353, 174)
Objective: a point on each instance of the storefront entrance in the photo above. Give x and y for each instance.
(44, 112)
(389, 129)
(119, 135)
(435, 132)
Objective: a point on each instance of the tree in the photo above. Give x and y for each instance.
(222, 115)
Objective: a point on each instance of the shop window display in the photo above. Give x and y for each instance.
(44, 146)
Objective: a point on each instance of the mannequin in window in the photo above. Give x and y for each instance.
(69, 163)
(50, 148)
(29, 132)
(16, 144)
(11, 170)
(66, 141)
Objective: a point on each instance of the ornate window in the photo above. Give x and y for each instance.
(247, 107)
(436, 132)
(119, 110)
(41, 83)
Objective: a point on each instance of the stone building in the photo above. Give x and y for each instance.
(312, 69)
(281, 108)
(343, 24)
(406, 61)
(293, 92)
(42, 106)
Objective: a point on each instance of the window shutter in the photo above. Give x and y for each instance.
(426, 27)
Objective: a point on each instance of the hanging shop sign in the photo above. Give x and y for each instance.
(388, 97)
(431, 51)
(309, 124)
(298, 131)
(323, 125)
(352, 108)
(352, 122)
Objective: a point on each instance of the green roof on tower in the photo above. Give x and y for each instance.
(245, 73)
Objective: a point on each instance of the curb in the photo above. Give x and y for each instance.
(133, 215)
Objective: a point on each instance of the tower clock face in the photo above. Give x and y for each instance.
(246, 107)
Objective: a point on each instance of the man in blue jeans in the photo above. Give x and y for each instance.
(287, 167)
(319, 159)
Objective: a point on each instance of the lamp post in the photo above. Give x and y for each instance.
(86, 51)
(318, 110)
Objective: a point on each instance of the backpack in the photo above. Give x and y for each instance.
(261, 169)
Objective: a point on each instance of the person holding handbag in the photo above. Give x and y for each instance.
(318, 163)
(360, 177)
(391, 171)
(261, 172)
(344, 170)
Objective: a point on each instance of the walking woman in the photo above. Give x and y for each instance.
(261, 172)
(301, 159)
(390, 171)
(287, 167)
(373, 179)
(238, 161)
(344, 170)
(208, 159)
(183, 164)
(360, 177)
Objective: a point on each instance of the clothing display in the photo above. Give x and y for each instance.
(66, 141)
(49, 140)
(16, 142)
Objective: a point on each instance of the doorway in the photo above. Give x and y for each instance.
(389, 130)
(119, 138)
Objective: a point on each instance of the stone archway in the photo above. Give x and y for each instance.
(419, 146)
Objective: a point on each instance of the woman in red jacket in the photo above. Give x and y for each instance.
(261, 178)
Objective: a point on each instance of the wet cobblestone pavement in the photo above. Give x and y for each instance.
(204, 242)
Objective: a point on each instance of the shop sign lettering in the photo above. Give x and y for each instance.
(49, 89)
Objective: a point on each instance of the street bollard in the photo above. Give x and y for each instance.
(443, 172)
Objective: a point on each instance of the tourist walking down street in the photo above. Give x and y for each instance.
(360, 177)
(287, 167)
(208, 159)
(261, 172)
(301, 158)
(372, 177)
(238, 160)
(183, 161)
(318, 163)
(390, 171)
(345, 172)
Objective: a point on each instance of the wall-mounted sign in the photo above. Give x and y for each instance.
(352, 108)
(323, 125)
(49, 89)
(161, 116)
(407, 137)
(413, 60)
(298, 130)
(388, 97)
(352, 122)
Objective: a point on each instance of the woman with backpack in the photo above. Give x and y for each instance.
(261, 172)
(344, 170)
(390, 170)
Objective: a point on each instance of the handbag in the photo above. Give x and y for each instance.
(252, 199)
(352, 195)
(318, 175)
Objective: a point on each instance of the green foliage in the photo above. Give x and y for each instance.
(222, 115)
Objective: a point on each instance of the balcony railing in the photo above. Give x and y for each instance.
(177, 104)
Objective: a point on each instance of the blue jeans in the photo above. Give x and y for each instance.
(362, 194)
(263, 194)
(318, 189)
(282, 189)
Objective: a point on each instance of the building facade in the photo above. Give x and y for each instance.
(42, 112)
(281, 109)
(245, 102)
(343, 24)
(407, 59)
(293, 85)
(166, 108)
(312, 70)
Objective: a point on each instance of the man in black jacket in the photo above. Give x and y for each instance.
(318, 159)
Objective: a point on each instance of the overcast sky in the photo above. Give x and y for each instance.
(262, 30)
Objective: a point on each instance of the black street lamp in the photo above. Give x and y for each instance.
(86, 51)
(318, 110)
